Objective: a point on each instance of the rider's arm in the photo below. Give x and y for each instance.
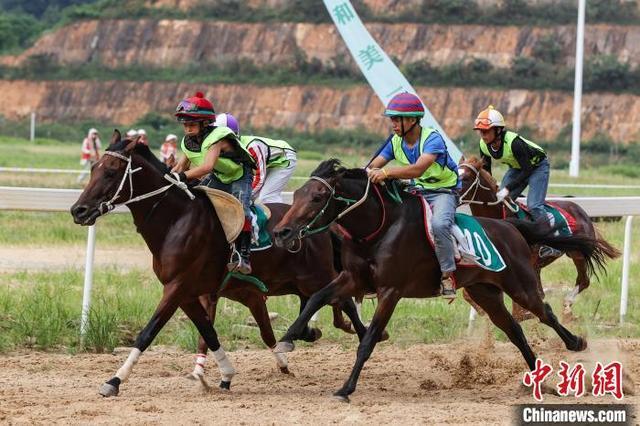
(259, 152)
(378, 162)
(522, 153)
(412, 171)
(206, 167)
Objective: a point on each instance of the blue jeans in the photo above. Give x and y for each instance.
(443, 206)
(241, 188)
(538, 183)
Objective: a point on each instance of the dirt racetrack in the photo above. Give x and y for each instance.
(458, 383)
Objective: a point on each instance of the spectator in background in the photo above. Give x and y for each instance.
(132, 133)
(144, 139)
(90, 153)
(169, 149)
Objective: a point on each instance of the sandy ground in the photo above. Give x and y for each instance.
(458, 383)
(19, 258)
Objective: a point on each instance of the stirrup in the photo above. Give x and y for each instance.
(546, 251)
(447, 291)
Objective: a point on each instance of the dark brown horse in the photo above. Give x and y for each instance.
(479, 191)
(387, 253)
(190, 250)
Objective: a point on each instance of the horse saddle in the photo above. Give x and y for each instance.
(231, 215)
(472, 245)
(556, 215)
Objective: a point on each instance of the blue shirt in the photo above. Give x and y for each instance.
(434, 144)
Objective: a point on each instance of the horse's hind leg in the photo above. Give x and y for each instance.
(490, 299)
(339, 322)
(165, 310)
(197, 314)
(530, 299)
(582, 282)
(387, 300)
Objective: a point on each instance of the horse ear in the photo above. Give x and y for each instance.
(131, 145)
(115, 138)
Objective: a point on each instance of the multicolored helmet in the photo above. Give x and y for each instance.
(489, 118)
(404, 105)
(227, 120)
(195, 108)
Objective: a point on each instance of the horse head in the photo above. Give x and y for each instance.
(111, 181)
(477, 183)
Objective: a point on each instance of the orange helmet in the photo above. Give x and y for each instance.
(489, 118)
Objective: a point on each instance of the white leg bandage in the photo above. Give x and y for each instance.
(201, 360)
(125, 370)
(224, 365)
(281, 360)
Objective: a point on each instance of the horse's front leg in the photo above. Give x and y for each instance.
(387, 300)
(339, 288)
(197, 314)
(210, 304)
(165, 310)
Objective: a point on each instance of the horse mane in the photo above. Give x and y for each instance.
(478, 164)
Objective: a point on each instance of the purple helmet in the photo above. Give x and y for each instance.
(227, 120)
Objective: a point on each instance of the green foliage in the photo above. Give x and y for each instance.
(17, 31)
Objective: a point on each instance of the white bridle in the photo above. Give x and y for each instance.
(107, 206)
(477, 185)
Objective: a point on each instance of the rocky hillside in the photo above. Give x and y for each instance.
(314, 108)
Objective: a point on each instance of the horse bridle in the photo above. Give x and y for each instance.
(308, 230)
(107, 206)
(475, 186)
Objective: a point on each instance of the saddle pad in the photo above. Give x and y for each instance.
(478, 243)
(261, 239)
(229, 211)
(555, 214)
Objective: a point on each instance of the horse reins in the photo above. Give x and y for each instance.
(107, 206)
(307, 230)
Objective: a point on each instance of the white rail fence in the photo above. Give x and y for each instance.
(60, 200)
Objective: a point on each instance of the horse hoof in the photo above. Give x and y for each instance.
(582, 344)
(224, 385)
(384, 336)
(342, 398)
(283, 347)
(316, 334)
(110, 388)
(285, 370)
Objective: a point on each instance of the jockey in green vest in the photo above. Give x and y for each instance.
(528, 165)
(215, 155)
(423, 157)
(275, 161)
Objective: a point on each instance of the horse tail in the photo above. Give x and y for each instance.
(337, 252)
(594, 250)
(607, 249)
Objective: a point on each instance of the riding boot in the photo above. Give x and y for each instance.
(546, 251)
(448, 288)
(240, 257)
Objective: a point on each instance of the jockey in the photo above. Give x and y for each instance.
(275, 160)
(424, 158)
(528, 165)
(169, 150)
(215, 155)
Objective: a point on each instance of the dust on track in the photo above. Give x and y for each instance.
(456, 383)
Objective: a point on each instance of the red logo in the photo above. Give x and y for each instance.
(607, 379)
(536, 377)
(572, 380)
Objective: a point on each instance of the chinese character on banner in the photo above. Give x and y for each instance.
(607, 379)
(343, 13)
(370, 56)
(536, 377)
(572, 380)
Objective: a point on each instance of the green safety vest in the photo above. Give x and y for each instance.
(273, 161)
(507, 152)
(436, 176)
(225, 169)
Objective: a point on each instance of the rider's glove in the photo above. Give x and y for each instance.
(502, 194)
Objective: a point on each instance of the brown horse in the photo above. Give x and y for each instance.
(387, 252)
(479, 191)
(190, 250)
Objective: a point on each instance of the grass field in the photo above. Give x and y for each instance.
(42, 309)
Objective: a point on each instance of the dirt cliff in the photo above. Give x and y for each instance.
(315, 108)
(173, 43)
